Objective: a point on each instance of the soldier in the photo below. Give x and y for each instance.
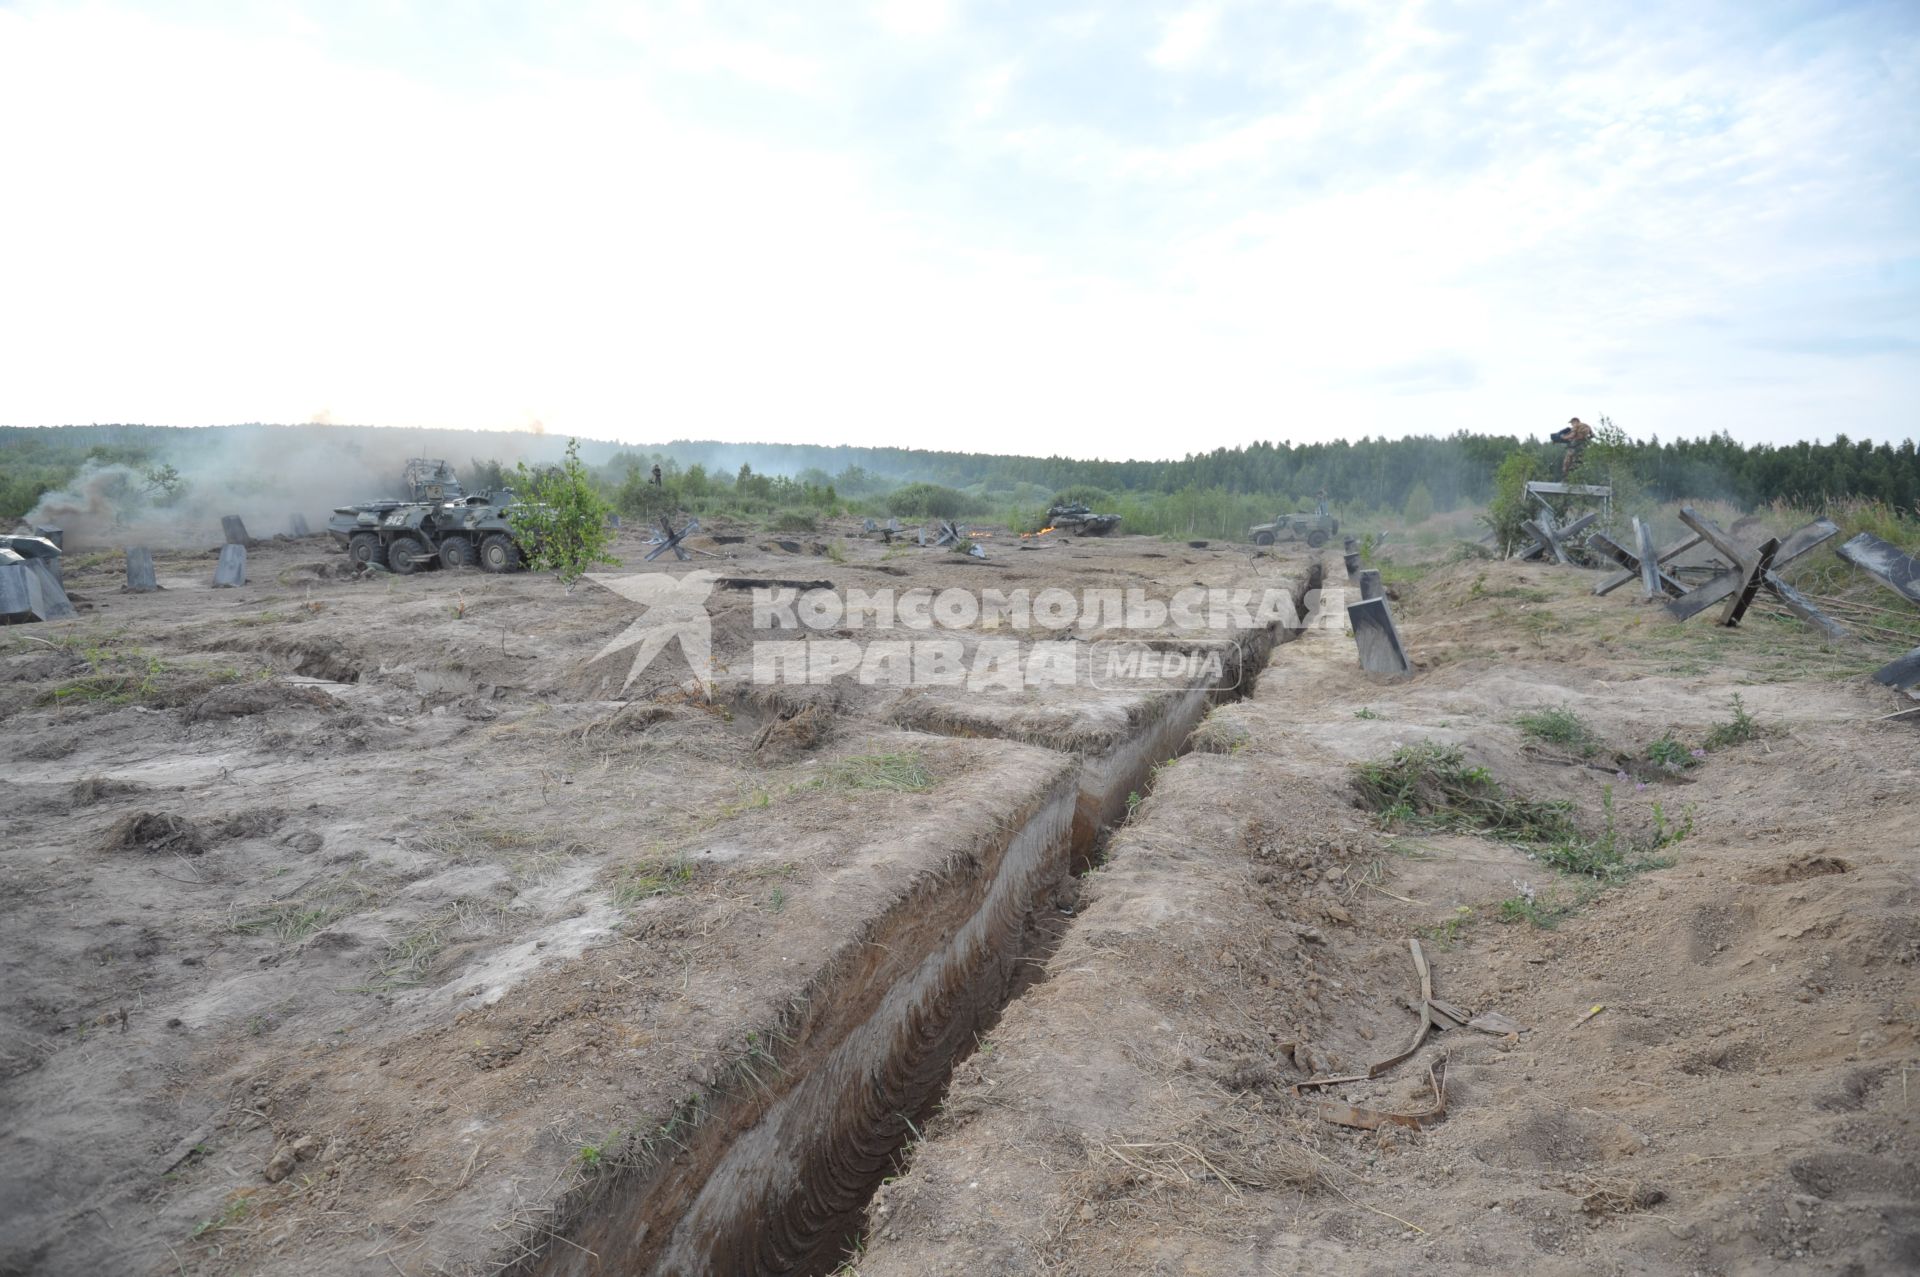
(1575, 435)
(656, 477)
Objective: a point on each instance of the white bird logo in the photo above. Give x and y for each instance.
(676, 609)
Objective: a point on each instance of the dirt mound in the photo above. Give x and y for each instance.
(793, 734)
(255, 822)
(155, 831)
(91, 789)
(1799, 869)
(39, 667)
(242, 700)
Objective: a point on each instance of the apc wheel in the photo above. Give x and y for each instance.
(458, 552)
(406, 555)
(498, 553)
(1316, 538)
(365, 547)
(1263, 538)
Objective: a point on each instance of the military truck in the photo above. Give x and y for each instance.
(437, 523)
(1313, 527)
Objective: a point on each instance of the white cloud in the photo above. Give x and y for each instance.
(915, 19)
(722, 230)
(1187, 36)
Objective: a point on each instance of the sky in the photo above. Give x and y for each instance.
(1102, 230)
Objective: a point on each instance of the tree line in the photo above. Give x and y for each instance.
(1368, 473)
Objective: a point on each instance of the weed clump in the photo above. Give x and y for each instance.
(1739, 729)
(1430, 786)
(1561, 727)
(904, 773)
(643, 881)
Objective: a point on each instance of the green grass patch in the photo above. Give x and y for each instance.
(651, 878)
(1430, 786)
(901, 772)
(1561, 727)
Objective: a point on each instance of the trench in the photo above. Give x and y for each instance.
(776, 1180)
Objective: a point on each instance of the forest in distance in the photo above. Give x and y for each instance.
(1213, 493)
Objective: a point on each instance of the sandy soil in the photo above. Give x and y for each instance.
(367, 924)
(1743, 1102)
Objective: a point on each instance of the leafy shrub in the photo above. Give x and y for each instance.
(932, 501)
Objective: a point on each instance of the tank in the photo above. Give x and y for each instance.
(437, 524)
(1080, 520)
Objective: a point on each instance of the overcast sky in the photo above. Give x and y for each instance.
(1112, 229)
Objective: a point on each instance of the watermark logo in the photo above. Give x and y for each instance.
(676, 609)
(979, 640)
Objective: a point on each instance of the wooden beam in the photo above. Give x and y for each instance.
(1702, 597)
(1903, 673)
(1649, 556)
(1801, 606)
(1737, 606)
(1898, 571)
(1619, 579)
(1548, 541)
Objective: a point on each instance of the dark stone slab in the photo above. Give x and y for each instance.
(1374, 633)
(140, 576)
(234, 530)
(232, 568)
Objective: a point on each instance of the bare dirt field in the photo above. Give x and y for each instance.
(367, 923)
(1708, 1066)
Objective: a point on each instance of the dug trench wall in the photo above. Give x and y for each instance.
(775, 1177)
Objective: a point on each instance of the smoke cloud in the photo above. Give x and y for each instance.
(264, 474)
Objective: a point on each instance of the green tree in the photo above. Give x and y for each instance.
(1508, 509)
(1419, 507)
(162, 484)
(559, 519)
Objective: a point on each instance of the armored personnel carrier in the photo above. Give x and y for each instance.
(438, 522)
(1313, 527)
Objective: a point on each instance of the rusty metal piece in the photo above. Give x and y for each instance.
(1371, 1119)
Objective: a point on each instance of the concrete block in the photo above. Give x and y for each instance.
(54, 535)
(232, 568)
(299, 526)
(1370, 586)
(236, 531)
(1353, 564)
(140, 576)
(1377, 638)
(36, 547)
(54, 604)
(29, 591)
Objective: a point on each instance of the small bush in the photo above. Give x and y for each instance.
(1084, 494)
(1742, 727)
(793, 521)
(1560, 727)
(1419, 506)
(932, 501)
(1430, 785)
(1672, 755)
